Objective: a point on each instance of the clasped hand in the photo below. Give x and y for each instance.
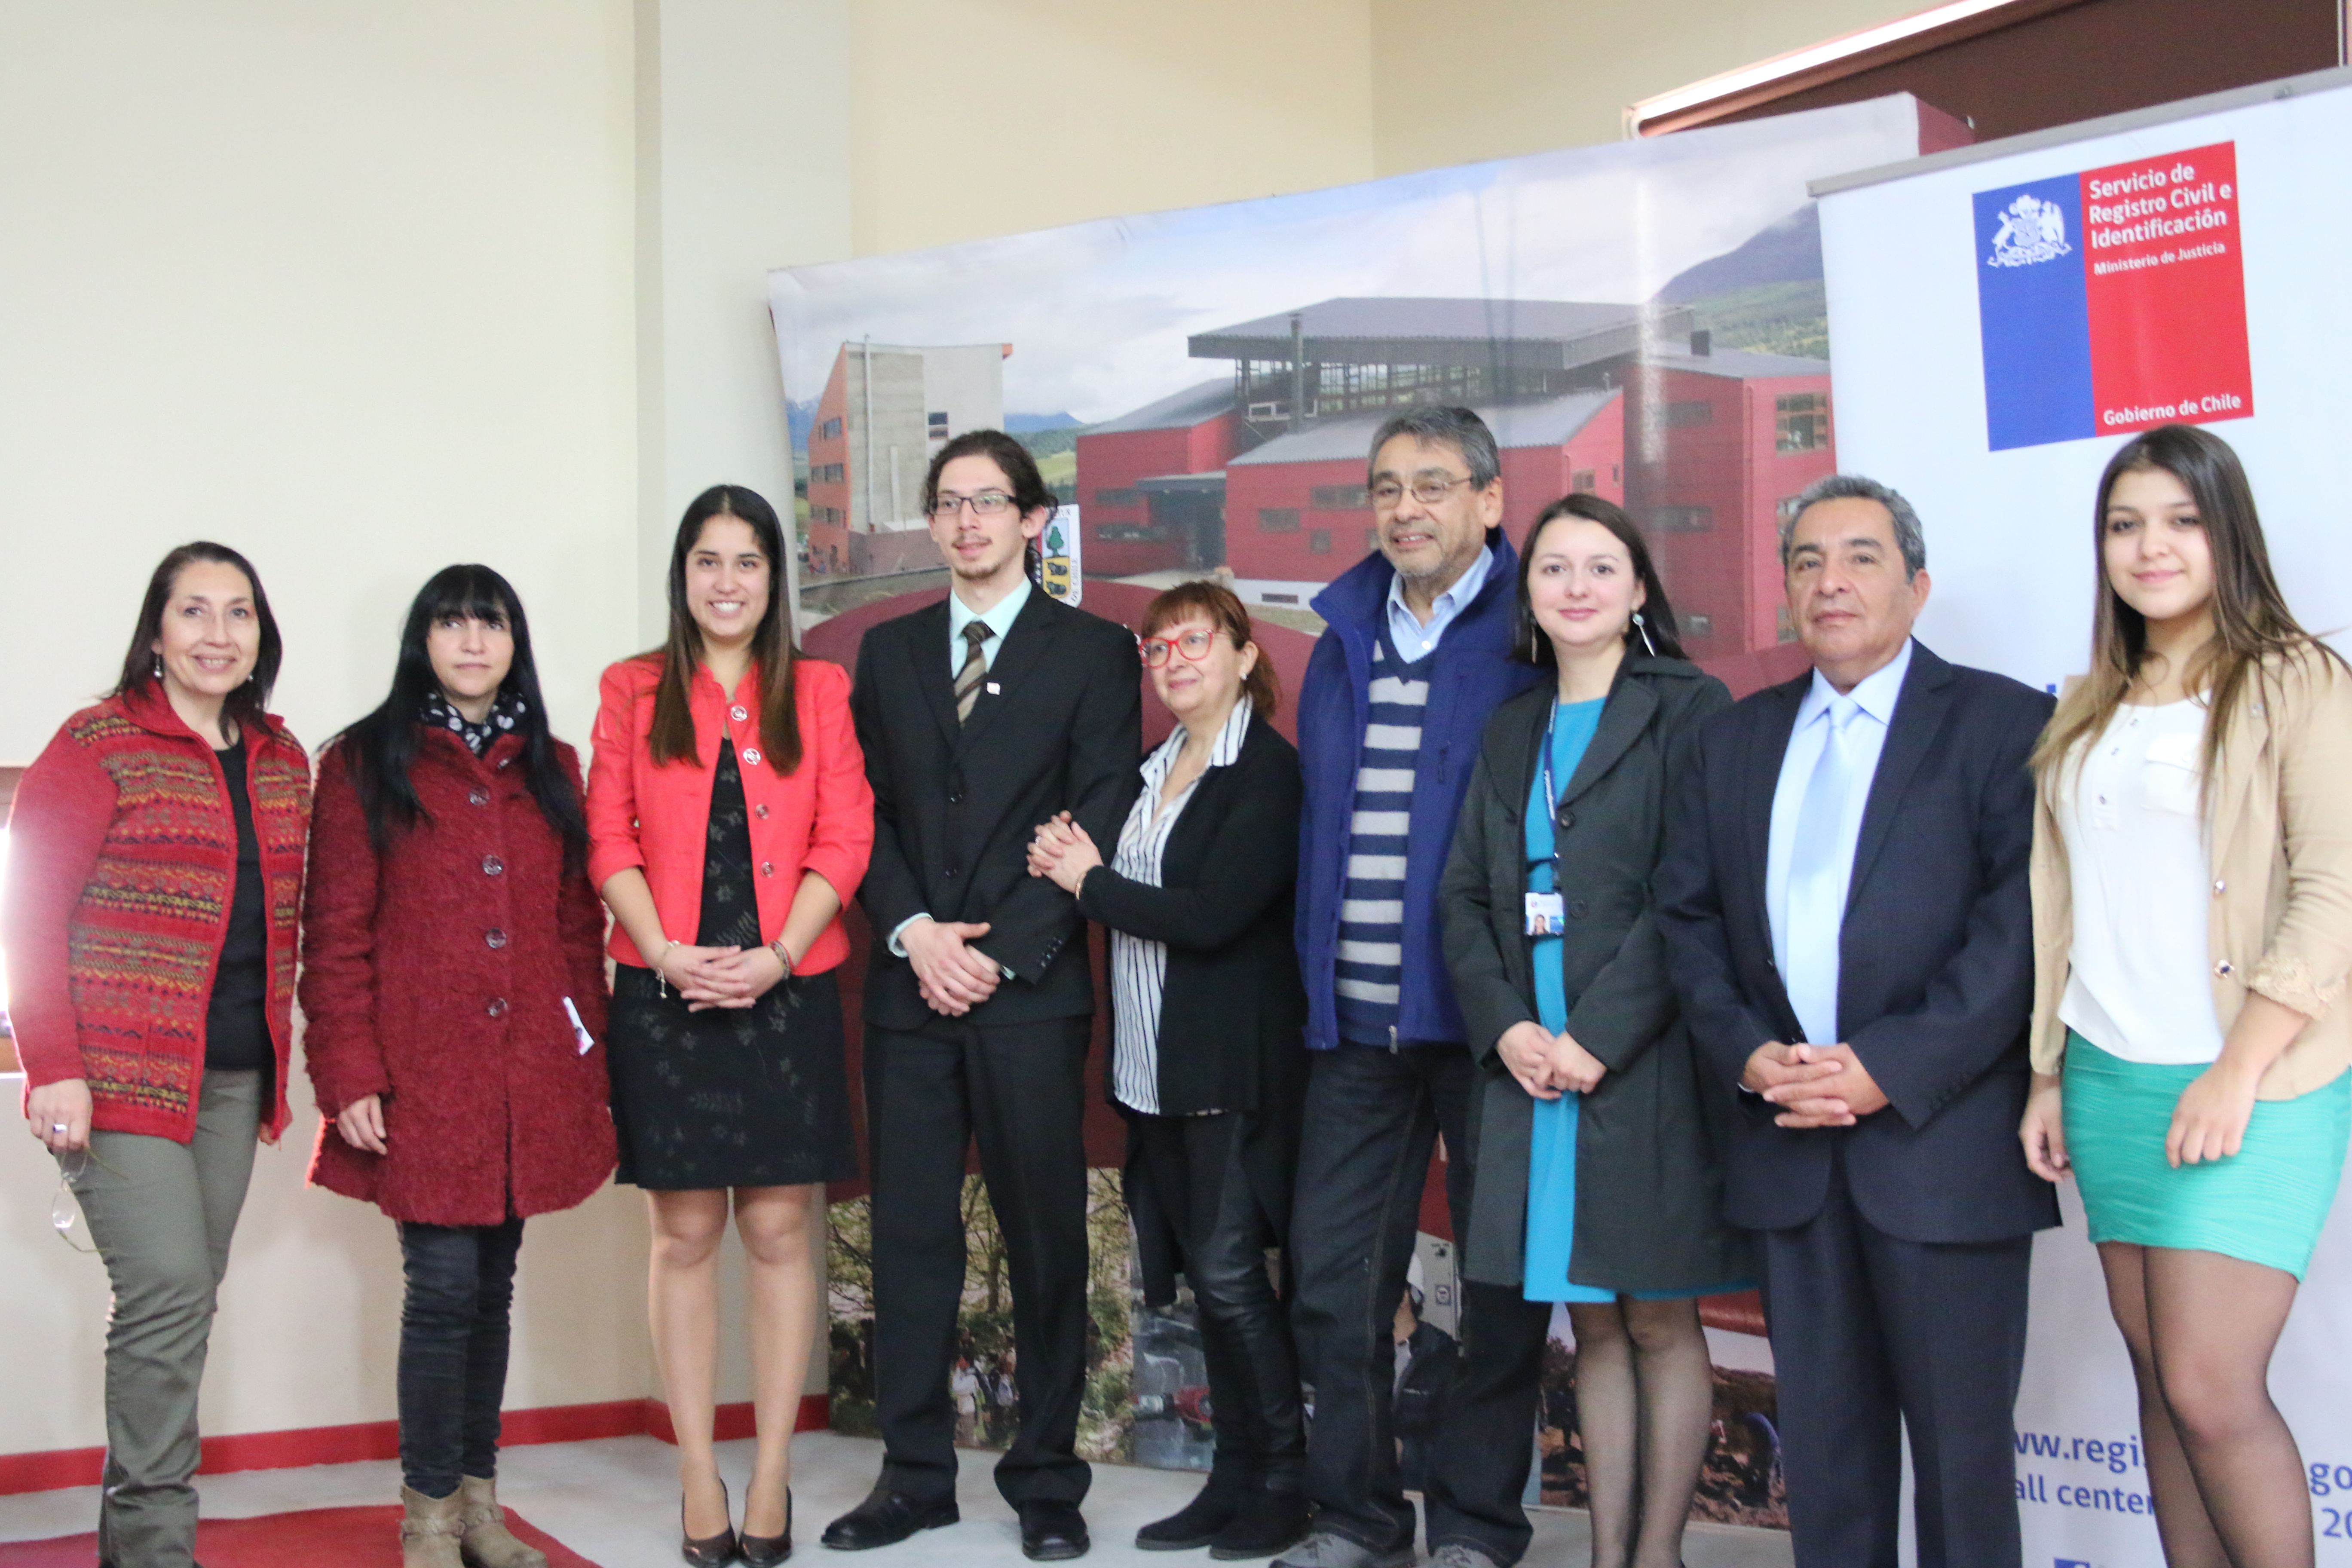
(1063, 852)
(720, 976)
(1548, 1065)
(1815, 1086)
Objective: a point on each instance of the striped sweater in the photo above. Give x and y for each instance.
(1368, 981)
(122, 871)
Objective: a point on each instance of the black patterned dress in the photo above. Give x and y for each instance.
(753, 1097)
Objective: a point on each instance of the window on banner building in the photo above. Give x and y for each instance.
(1582, 481)
(1682, 518)
(1800, 422)
(1341, 498)
(1278, 519)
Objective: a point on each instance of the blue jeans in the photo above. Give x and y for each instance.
(454, 1331)
(1373, 1120)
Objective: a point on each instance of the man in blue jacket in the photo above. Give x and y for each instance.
(1396, 697)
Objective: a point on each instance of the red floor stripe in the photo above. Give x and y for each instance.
(346, 1537)
(56, 1467)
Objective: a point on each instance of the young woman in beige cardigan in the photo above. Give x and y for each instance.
(2192, 907)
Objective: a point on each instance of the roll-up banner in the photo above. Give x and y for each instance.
(2002, 318)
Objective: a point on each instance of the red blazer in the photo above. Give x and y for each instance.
(121, 872)
(818, 818)
(435, 974)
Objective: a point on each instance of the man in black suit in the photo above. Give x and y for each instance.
(1844, 900)
(981, 718)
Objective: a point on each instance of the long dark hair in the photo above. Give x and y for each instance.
(1529, 643)
(672, 736)
(379, 749)
(249, 702)
(2250, 621)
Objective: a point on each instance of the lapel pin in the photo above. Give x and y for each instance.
(995, 690)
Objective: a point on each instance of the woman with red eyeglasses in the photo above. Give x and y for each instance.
(1208, 1060)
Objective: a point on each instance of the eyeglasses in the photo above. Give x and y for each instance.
(987, 503)
(1428, 492)
(65, 1211)
(1192, 644)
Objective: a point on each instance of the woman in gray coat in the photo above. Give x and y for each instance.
(1595, 1182)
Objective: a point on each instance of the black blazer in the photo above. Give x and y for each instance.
(1057, 727)
(1936, 971)
(1648, 1186)
(1233, 1016)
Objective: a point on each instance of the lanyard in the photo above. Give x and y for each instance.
(1551, 795)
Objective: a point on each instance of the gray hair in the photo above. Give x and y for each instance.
(1435, 425)
(1908, 536)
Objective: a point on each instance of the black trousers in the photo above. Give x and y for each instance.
(1200, 1179)
(1019, 1091)
(1373, 1120)
(453, 1334)
(1872, 1335)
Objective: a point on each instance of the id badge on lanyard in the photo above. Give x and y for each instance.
(1547, 913)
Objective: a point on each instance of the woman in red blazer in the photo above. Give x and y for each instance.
(453, 983)
(729, 819)
(155, 870)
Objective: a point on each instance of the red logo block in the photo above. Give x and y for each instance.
(2166, 291)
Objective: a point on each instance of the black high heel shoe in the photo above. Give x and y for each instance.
(767, 1550)
(711, 1551)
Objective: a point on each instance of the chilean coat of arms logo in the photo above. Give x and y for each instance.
(2031, 230)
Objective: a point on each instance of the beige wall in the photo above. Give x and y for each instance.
(1458, 80)
(985, 117)
(348, 287)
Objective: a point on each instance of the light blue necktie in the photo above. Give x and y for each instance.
(1819, 868)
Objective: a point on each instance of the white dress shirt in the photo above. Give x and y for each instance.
(2131, 811)
(1139, 966)
(1413, 639)
(1875, 696)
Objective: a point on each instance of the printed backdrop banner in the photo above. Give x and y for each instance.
(1642, 322)
(1998, 323)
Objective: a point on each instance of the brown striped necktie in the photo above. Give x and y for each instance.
(967, 679)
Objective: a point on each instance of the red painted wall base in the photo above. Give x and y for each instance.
(48, 1471)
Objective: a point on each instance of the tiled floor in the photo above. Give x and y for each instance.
(616, 1501)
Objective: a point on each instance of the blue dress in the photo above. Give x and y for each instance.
(1551, 1153)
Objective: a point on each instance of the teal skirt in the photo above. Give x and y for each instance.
(2264, 1203)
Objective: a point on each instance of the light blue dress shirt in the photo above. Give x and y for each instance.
(1413, 639)
(1806, 950)
(999, 619)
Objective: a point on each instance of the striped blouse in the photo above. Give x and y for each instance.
(1139, 967)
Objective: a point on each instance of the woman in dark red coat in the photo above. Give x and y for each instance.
(453, 984)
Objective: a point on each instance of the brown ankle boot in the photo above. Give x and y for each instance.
(430, 1529)
(488, 1542)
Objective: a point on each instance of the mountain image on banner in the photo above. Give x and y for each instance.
(1765, 295)
(2113, 299)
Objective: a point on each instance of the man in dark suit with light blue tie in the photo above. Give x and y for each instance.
(1844, 900)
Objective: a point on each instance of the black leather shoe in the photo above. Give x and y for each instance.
(767, 1550)
(885, 1518)
(1052, 1531)
(1274, 1521)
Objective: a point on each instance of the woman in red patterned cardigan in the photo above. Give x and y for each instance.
(154, 873)
(453, 985)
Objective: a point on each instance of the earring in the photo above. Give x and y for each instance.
(1644, 627)
(157, 661)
